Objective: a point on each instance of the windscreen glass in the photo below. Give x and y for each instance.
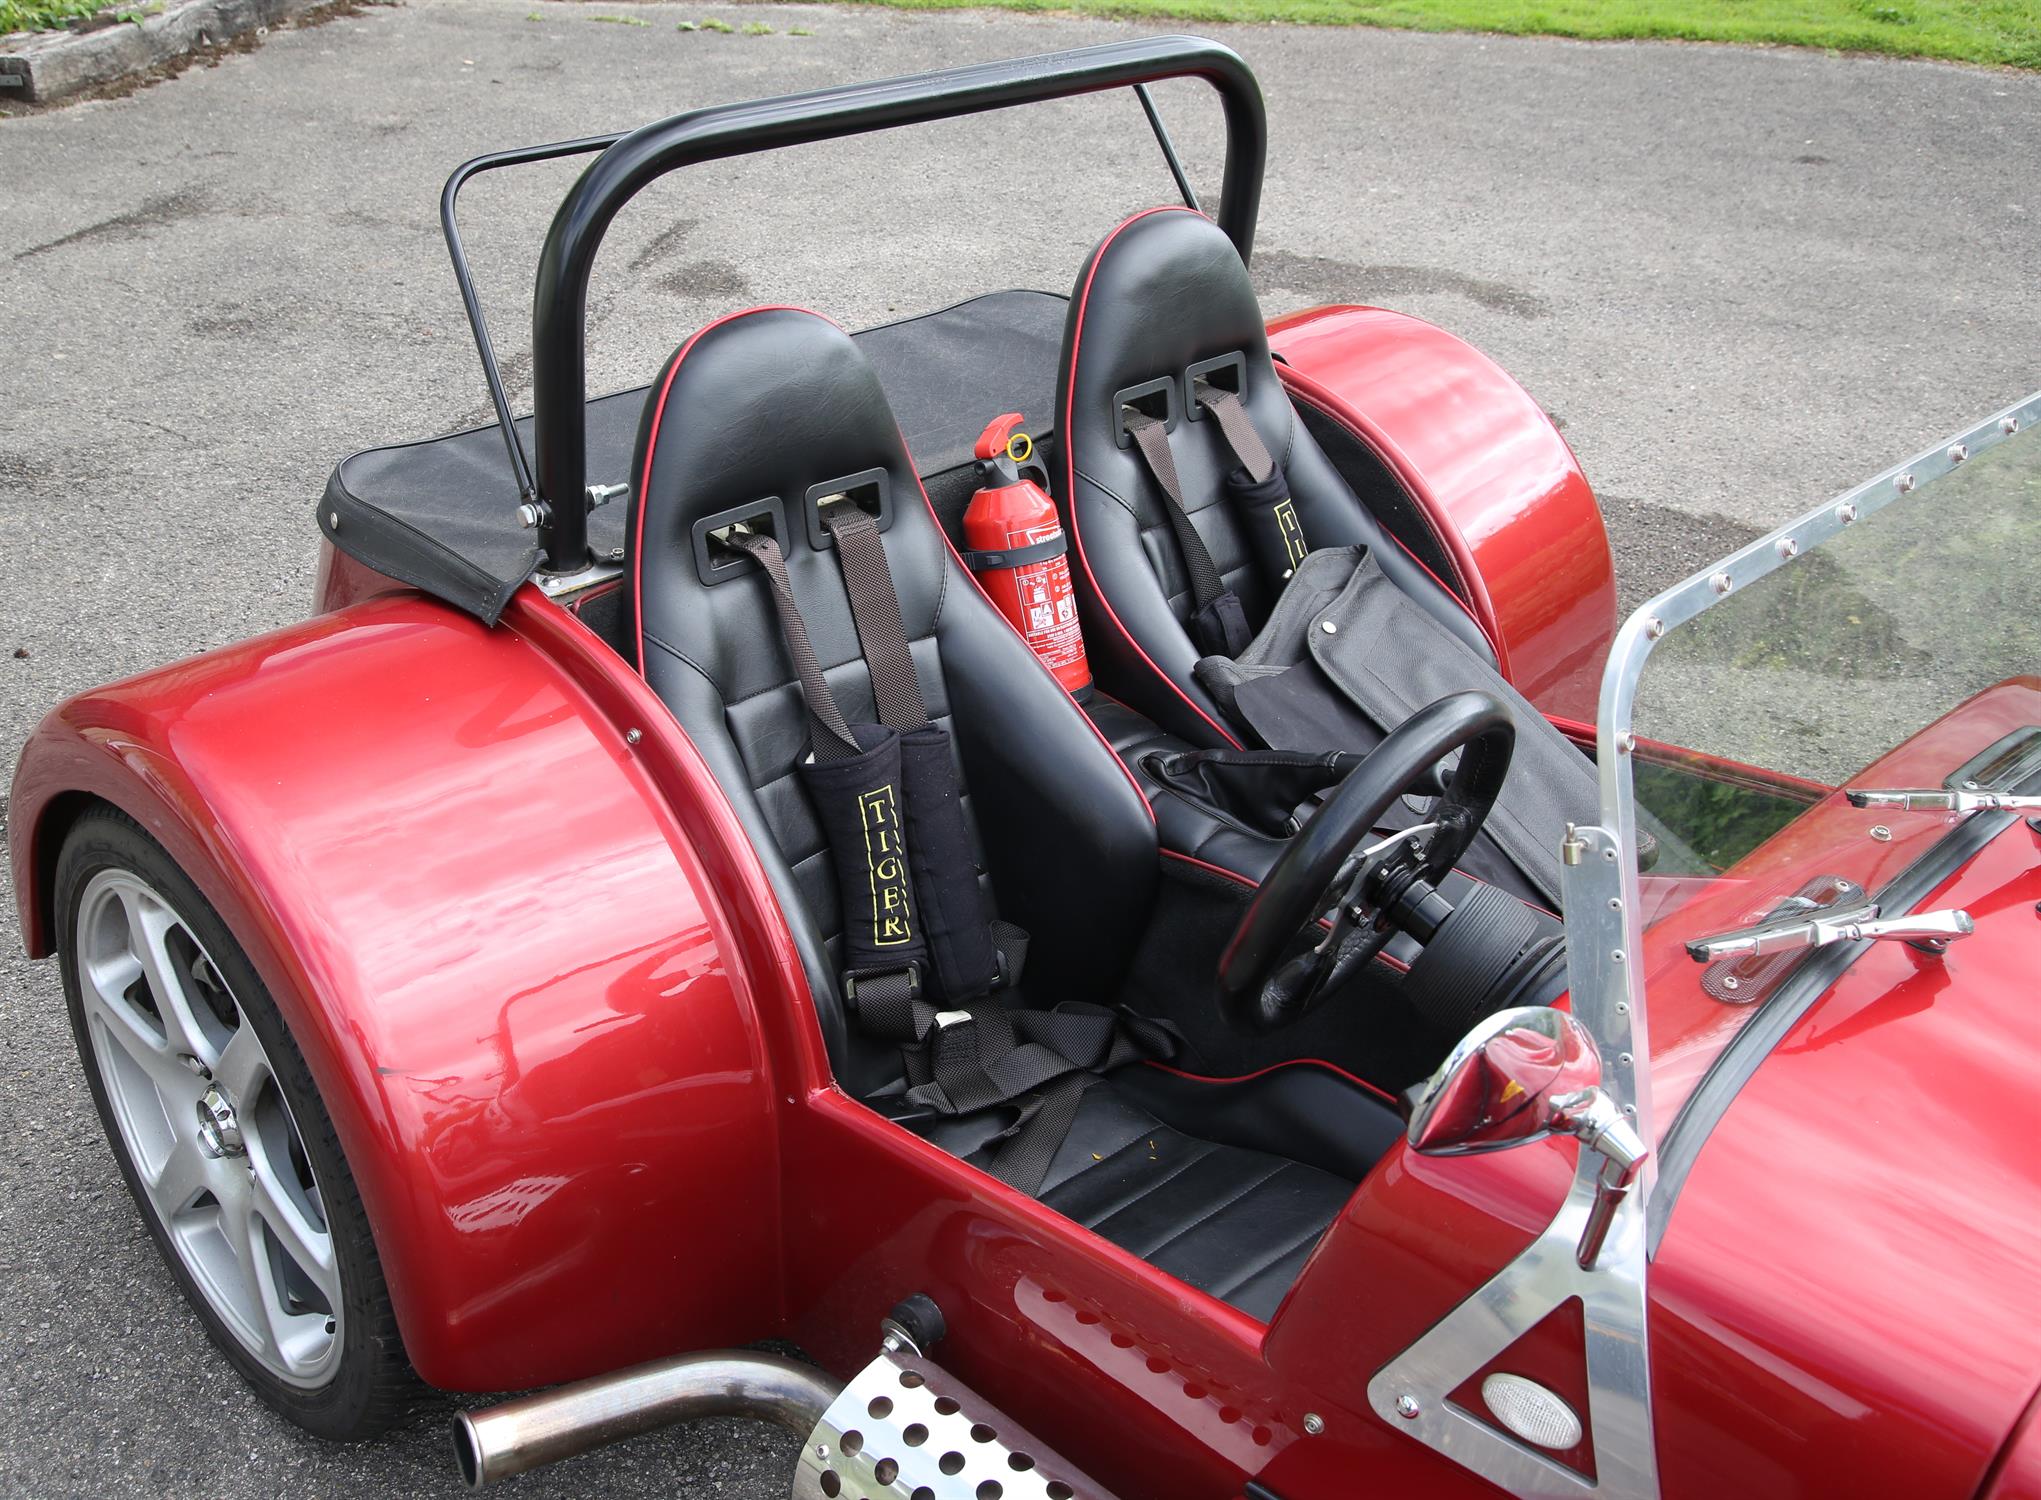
(1894, 644)
(1752, 711)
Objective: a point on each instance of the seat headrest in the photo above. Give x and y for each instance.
(1163, 292)
(760, 414)
(767, 402)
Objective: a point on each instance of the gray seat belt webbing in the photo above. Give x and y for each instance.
(985, 1054)
(1151, 438)
(1239, 429)
(896, 689)
(829, 730)
(875, 606)
(1258, 487)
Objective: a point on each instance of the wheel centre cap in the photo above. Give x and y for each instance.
(219, 1130)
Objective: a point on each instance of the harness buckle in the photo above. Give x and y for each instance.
(853, 978)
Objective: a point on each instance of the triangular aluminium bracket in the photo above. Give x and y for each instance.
(1411, 1391)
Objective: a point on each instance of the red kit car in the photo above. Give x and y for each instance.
(659, 904)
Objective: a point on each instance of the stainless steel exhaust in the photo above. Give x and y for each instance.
(495, 1442)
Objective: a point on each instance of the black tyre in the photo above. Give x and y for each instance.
(221, 1135)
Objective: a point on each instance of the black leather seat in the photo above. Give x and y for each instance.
(754, 415)
(1236, 1223)
(1164, 292)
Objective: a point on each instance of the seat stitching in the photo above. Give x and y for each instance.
(1102, 1161)
(1145, 1137)
(1244, 1277)
(791, 682)
(684, 659)
(1141, 1192)
(1111, 494)
(1217, 502)
(1218, 1208)
(1163, 529)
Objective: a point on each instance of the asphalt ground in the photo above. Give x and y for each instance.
(1740, 279)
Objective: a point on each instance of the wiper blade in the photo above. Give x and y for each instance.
(1929, 930)
(1941, 799)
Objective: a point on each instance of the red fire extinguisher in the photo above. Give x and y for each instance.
(1016, 547)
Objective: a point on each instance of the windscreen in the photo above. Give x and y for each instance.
(1796, 683)
(1889, 640)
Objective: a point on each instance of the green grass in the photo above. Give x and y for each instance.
(43, 15)
(2006, 32)
(52, 15)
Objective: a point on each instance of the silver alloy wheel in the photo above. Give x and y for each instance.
(207, 1127)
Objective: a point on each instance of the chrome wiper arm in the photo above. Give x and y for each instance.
(1932, 930)
(1941, 799)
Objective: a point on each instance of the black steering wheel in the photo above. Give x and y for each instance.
(1263, 983)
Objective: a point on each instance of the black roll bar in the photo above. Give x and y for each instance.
(560, 302)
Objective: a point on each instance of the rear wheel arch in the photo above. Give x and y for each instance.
(1489, 473)
(358, 797)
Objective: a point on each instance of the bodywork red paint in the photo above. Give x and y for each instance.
(550, 1000)
(548, 995)
(1500, 488)
(2017, 1474)
(509, 969)
(1844, 1300)
(1689, 1028)
(1876, 1188)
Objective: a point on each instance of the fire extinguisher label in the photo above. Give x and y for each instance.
(1048, 604)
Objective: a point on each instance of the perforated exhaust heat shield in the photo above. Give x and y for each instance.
(907, 1428)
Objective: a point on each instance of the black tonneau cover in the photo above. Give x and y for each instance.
(441, 514)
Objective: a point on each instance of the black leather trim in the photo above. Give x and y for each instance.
(441, 514)
(1180, 824)
(773, 402)
(1163, 291)
(1233, 1222)
(1405, 518)
(1306, 1110)
(770, 403)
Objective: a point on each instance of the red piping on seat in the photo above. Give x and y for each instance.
(644, 488)
(1070, 468)
(1233, 875)
(1295, 1062)
(652, 447)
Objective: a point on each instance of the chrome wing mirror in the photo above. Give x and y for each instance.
(1521, 1075)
